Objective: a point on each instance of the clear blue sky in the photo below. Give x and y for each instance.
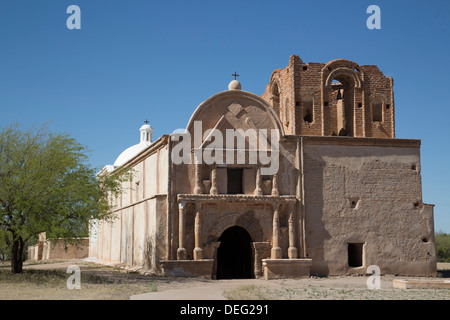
(157, 60)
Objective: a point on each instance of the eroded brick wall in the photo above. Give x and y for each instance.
(305, 97)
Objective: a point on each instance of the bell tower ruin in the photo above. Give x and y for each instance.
(339, 98)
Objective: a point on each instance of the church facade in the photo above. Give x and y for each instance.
(307, 179)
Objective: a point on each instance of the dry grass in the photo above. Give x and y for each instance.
(97, 283)
(252, 292)
(338, 288)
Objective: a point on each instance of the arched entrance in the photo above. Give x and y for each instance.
(234, 256)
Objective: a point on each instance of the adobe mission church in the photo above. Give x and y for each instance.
(347, 194)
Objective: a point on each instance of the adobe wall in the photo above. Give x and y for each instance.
(366, 191)
(57, 249)
(139, 216)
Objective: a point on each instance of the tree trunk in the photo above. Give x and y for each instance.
(16, 256)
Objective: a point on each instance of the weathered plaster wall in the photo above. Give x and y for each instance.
(367, 194)
(59, 249)
(139, 217)
(115, 240)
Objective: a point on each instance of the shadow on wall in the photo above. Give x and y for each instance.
(150, 253)
(153, 254)
(316, 234)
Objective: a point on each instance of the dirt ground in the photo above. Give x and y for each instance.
(48, 281)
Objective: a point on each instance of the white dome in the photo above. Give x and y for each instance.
(146, 132)
(130, 152)
(146, 127)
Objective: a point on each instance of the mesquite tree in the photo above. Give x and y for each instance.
(47, 185)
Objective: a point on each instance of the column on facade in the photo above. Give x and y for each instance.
(258, 189)
(292, 250)
(198, 189)
(261, 250)
(341, 117)
(275, 185)
(181, 252)
(198, 251)
(276, 249)
(214, 190)
(257, 268)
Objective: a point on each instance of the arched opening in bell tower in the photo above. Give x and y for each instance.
(343, 91)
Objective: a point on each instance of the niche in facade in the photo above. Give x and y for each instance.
(308, 109)
(234, 181)
(377, 111)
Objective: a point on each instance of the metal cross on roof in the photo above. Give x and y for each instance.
(235, 75)
(146, 121)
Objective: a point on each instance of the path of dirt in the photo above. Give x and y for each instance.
(339, 287)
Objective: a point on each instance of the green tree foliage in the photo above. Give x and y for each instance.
(47, 185)
(443, 246)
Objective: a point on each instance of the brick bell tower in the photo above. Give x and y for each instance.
(339, 98)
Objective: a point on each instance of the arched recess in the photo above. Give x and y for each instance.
(377, 103)
(345, 74)
(246, 221)
(339, 113)
(308, 109)
(275, 90)
(342, 85)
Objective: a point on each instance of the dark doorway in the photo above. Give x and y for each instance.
(355, 254)
(234, 181)
(234, 256)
